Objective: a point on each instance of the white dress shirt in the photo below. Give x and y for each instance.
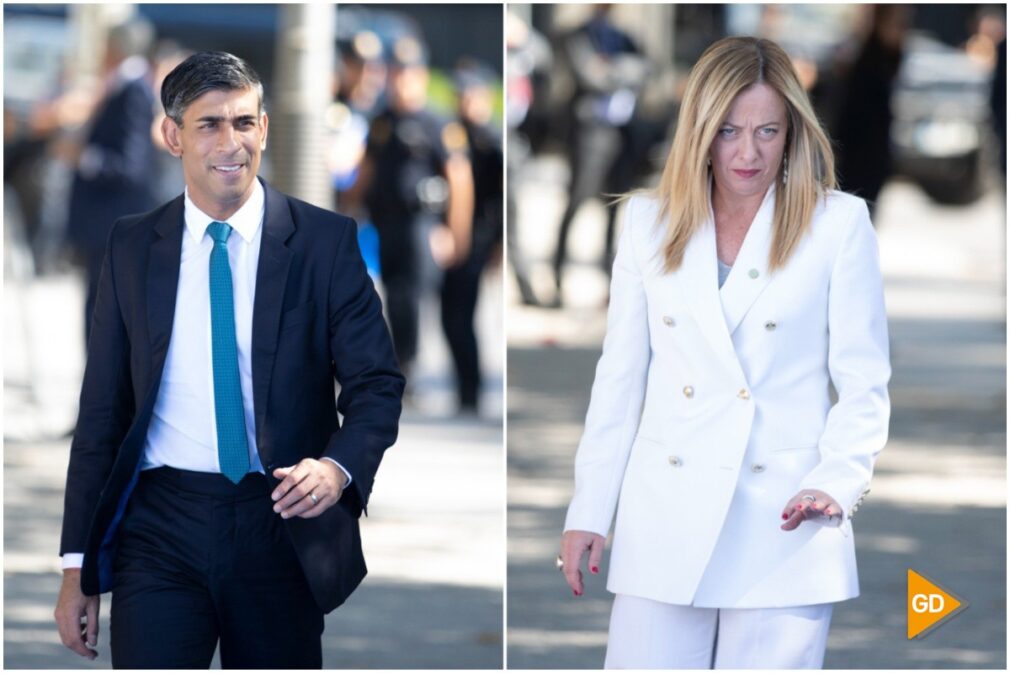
(183, 429)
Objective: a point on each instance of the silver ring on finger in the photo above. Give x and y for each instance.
(559, 563)
(313, 498)
(809, 497)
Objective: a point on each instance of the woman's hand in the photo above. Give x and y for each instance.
(574, 544)
(809, 504)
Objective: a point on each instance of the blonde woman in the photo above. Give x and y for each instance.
(744, 288)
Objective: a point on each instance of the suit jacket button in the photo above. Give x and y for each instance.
(668, 321)
(757, 467)
(743, 394)
(675, 461)
(688, 392)
(753, 273)
(770, 325)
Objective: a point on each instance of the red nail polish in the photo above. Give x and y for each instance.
(785, 516)
(595, 570)
(575, 592)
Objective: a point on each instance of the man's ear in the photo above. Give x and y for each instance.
(264, 124)
(170, 134)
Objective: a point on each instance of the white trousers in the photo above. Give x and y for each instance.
(649, 634)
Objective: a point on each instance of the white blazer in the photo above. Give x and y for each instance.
(711, 408)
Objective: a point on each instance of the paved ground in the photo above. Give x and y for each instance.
(939, 495)
(433, 537)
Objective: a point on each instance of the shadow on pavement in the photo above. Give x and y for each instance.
(385, 625)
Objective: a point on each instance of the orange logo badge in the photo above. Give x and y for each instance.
(929, 605)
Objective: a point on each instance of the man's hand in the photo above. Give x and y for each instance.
(574, 544)
(70, 607)
(809, 504)
(320, 478)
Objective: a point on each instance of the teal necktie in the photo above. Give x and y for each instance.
(232, 449)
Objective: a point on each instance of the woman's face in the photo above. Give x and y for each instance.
(748, 147)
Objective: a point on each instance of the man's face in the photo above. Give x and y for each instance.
(409, 87)
(476, 105)
(221, 142)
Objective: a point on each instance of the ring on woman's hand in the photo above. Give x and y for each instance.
(313, 498)
(809, 497)
(559, 563)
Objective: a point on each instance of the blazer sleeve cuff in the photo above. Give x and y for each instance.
(849, 493)
(575, 521)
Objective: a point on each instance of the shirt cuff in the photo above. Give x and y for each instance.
(346, 473)
(73, 561)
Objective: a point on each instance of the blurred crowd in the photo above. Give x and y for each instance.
(422, 173)
(910, 90)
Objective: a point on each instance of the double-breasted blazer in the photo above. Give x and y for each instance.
(712, 407)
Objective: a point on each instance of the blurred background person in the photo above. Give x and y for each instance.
(47, 109)
(359, 83)
(865, 157)
(417, 184)
(166, 181)
(609, 73)
(359, 94)
(461, 280)
(362, 70)
(117, 159)
(529, 56)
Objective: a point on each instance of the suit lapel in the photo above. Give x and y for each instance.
(750, 275)
(271, 280)
(700, 281)
(163, 282)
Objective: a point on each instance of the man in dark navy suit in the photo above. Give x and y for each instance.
(212, 487)
(112, 178)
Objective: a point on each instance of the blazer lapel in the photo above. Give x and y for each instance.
(750, 275)
(271, 280)
(163, 283)
(700, 282)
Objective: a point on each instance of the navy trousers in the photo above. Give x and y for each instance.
(201, 561)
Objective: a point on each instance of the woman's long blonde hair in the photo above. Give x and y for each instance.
(725, 69)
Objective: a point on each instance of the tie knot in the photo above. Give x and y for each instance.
(219, 231)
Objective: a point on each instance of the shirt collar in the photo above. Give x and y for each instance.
(246, 220)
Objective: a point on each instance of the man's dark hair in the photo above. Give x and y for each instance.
(202, 72)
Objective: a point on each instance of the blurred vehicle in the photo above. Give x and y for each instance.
(941, 110)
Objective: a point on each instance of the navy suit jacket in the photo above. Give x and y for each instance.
(316, 318)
